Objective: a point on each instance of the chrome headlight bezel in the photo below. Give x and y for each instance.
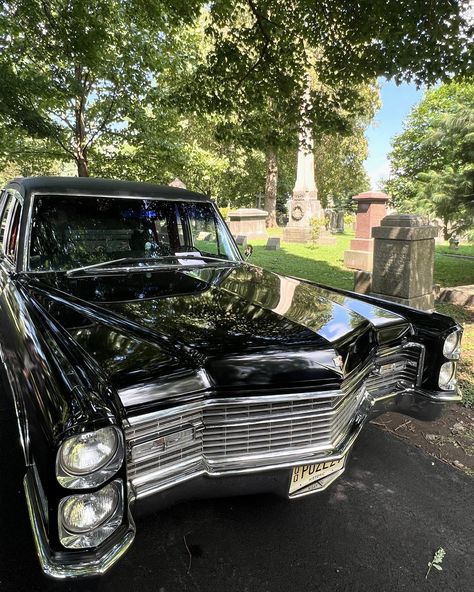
(92, 537)
(447, 376)
(452, 345)
(70, 478)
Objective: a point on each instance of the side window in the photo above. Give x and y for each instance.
(6, 212)
(12, 236)
(9, 227)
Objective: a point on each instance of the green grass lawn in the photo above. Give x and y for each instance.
(318, 263)
(463, 250)
(325, 265)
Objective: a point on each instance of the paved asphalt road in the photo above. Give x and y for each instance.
(375, 530)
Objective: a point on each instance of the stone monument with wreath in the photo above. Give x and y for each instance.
(304, 204)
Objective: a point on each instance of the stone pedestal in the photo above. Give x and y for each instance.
(371, 208)
(403, 260)
(304, 204)
(249, 222)
(303, 207)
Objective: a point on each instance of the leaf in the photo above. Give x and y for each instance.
(438, 567)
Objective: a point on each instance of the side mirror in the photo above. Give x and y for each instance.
(248, 251)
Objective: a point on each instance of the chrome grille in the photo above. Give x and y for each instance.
(247, 433)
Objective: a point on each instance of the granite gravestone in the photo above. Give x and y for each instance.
(249, 222)
(371, 208)
(404, 260)
(273, 243)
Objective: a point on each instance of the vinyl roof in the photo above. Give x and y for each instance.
(106, 187)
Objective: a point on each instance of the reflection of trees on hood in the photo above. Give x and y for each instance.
(214, 319)
(117, 353)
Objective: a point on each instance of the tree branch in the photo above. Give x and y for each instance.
(105, 120)
(266, 42)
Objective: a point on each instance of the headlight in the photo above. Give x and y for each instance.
(447, 373)
(451, 345)
(89, 459)
(87, 519)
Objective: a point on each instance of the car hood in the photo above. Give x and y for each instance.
(239, 324)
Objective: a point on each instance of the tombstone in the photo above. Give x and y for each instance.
(249, 222)
(241, 240)
(339, 222)
(371, 208)
(404, 260)
(454, 243)
(334, 220)
(177, 183)
(273, 243)
(304, 204)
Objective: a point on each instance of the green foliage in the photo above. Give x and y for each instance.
(224, 212)
(262, 49)
(436, 561)
(433, 159)
(316, 225)
(349, 220)
(72, 70)
(152, 90)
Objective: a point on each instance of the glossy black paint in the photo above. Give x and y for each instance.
(69, 344)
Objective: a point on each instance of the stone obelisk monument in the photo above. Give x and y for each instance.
(304, 203)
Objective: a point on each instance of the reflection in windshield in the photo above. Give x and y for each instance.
(71, 232)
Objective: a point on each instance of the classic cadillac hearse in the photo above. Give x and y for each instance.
(148, 363)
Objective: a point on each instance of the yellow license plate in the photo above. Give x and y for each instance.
(306, 475)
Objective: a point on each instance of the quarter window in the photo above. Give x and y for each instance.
(12, 236)
(7, 208)
(9, 227)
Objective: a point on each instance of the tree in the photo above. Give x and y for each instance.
(433, 159)
(72, 70)
(262, 51)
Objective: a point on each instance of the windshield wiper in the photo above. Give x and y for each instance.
(153, 261)
(101, 264)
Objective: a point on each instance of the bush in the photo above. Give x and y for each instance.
(316, 225)
(224, 212)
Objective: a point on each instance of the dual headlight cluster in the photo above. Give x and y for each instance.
(451, 351)
(86, 461)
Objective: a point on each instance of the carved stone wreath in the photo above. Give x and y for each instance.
(297, 213)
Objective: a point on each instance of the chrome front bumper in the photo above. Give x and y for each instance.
(218, 436)
(197, 449)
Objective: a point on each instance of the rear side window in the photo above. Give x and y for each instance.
(6, 211)
(9, 227)
(12, 233)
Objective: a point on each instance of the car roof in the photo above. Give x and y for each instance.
(106, 187)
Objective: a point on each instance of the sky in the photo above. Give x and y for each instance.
(397, 102)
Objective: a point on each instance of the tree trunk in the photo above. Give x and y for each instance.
(82, 166)
(80, 125)
(271, 187)
(446, 233)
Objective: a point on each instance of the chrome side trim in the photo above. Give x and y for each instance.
(61, 568)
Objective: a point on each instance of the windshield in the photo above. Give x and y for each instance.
(69, 232)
